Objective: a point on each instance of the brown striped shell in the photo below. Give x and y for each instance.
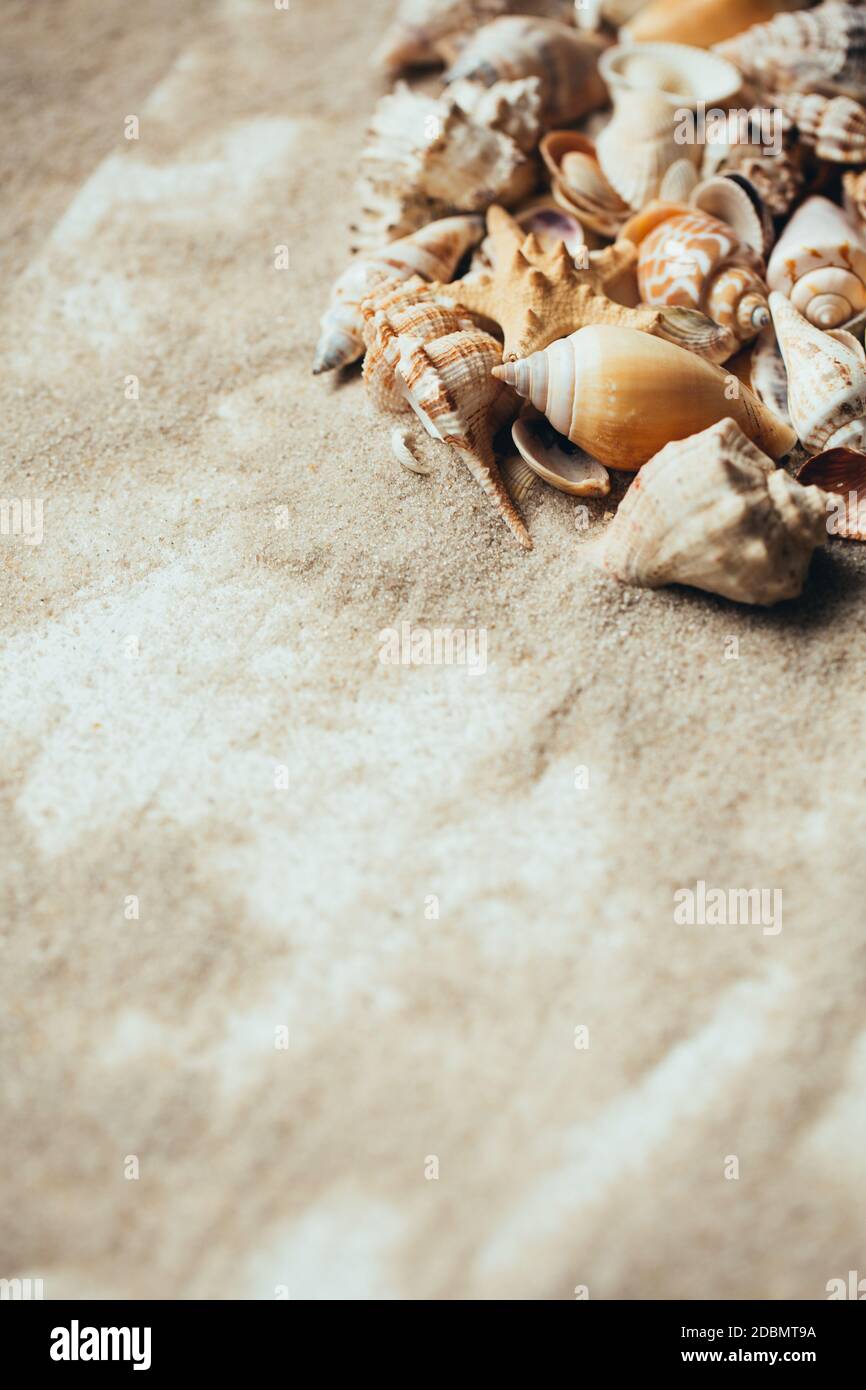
(823, 47)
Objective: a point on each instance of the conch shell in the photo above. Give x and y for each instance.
(694, 260)
(842, 475)
(639, 145)
(434, 253)
(428, 355)
(826, 380)
(702, 21)
(712, 512)
(564, 59)
(621, 395)
(834, 126)
(578, 184)
(428, 31)
(820, 263)
(514, 108)
(682, 74)
(823, 48)
(425, 159)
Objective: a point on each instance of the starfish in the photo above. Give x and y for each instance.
(537, 295)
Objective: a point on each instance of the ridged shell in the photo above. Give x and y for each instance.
(826, 380)
(425, 31)
(842, 475)
(768, 378)
(835, 126)
(701, 21)
(638, 146)
(621, 395)
(682, 74)
(564, 59)
(433, 253)
(712, 512)
(820, 263)
(821, 48)
(735, 201)
(441, 364)
(426, 158)
(578, 184)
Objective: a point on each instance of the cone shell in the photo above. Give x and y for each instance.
(820, 48)
(826, 380)
(638, 146)
(834, 126)
(621, 395)
(425, 158)
(682, 74)
(712, 512)
(819, 262)
(689, 259)
(701, 21)
(841, 473)
(563, 58)
(428, 354)
(426, 31)
(578, 184)
(433, 253)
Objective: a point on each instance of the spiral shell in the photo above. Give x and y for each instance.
(712, 512)
(433, 253)
(424, 352)
(426, 31)
(826, 380)
(820, 263)
(690, 259)
(834, 126)
(565, 60)
(824, 47)
(621, 395)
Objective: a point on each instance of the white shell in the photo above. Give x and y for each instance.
(425, 31)
(559, 462)
(682, 74)
(819, 261)
(826, 380)
(713, 512)
(514, 108)
(768, 377)
(638, 146)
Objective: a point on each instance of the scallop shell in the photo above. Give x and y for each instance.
(820, 263)
(682, 74)
(426, 158)
(834, 126)
(690, 259)
(821, 48)
(842, 475)
(768, 378)
(702, 21)
(559, 462)
(426, 31)
(429, 355)
(826, 380)
(578, 184)
(732, 199)
(638, 146)
(564, 59)
(434, 253)
(621, 395)
(712, 512)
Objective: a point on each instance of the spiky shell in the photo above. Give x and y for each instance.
(428, 355)
(824, 47)
(563, 58)
(621, 395)
(425, 31)
(638, 146)
(834, 126)
(820, 263)
(826, 380)
(425, 158)
(433, 253)
(701, 21)
(712, 512)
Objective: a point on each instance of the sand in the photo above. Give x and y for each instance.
(198, 730)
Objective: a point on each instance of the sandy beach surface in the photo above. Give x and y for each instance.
(223, 817)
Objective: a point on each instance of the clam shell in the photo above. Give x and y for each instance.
(712, 512)
(559, 462)
(768, 377)
(841, 473)
(578, 184)
(682, 74)
(638, 146)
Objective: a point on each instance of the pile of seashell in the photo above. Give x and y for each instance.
(665, 204)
